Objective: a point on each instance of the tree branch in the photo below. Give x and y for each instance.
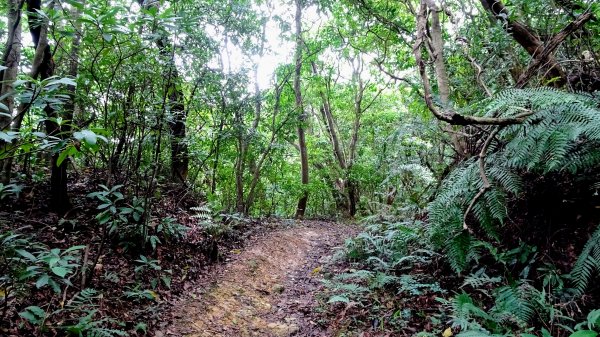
(449, 116)
(486, 181)
(551, 46)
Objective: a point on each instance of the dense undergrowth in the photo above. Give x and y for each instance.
(106, 269)
(525, 259)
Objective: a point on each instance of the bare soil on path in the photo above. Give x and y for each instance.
(266, 289)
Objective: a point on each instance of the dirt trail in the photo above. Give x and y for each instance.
(267, 289)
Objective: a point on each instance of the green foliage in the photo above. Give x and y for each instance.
(87, 322)
(386, 245)
(588, 263)
(514, 308)
(215, 229)
(110, 216)
(128, 221)
(14, 265)
(386, 251)
(562, 135)
(10, 190)
(25, 261)
(590, 327)
(170, 229)
(480, 280)
(34, 315)
(138, 73)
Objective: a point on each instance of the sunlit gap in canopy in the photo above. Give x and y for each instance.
(279, 44)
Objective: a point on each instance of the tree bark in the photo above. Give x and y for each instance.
(179, 148)
(353, 196)
(437, 52)
(303, 201)
(174, 93)
(11, 60)
(59, 197)
(43, 68)
(448, 115)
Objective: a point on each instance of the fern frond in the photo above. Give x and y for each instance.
(562, 135)
(480, 280)
(588, 263)
(101, 332)
(515, 303)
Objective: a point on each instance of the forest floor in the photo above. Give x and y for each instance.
(266, 289)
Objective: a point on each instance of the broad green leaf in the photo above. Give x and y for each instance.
(26, 254)
(39, 312)
(69, 151)
(74, 248)
(593, 319)
(42, 281)
(60, 271)
(75, 3)
(339, 299)
(64, 80)
(584, 333)
(28, 316)
(88, 136)
(7, 136)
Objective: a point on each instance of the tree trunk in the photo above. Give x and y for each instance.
(275, 130)
(239, 171)
(303, 201)
(353, 197)
(330, 124)
(11, 60)
(215, 168)
(174, 93)
(179, 149)
(352, 184)
(43, 66)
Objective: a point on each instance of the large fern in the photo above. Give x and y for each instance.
(562, 135)
(588, 263)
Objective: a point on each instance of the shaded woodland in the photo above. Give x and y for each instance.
(142, 142)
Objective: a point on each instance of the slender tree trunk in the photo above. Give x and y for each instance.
(43, 66)
(352, 184)
(303, 201)
(11, 60)
(174, 92)
(73, 71)
(239, 169)
(436, 48)
(330, 124)
(215, 168)
(243, 206)
(116, 155)
(275, 130)
(353, 196)
(179, 149)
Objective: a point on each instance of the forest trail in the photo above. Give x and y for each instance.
(266, 289)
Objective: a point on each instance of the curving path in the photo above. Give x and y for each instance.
(267, 289)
